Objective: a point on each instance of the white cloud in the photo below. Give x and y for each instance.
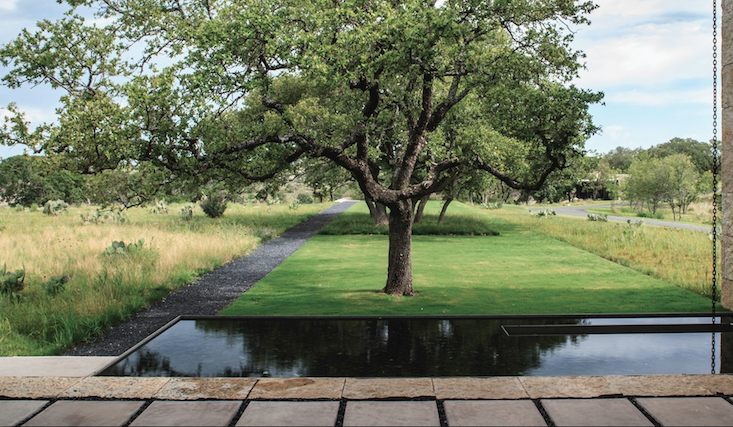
(661, 98)
(614, 131)
(636, 47)
(8, 4)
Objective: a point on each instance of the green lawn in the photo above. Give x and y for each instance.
(515, 272)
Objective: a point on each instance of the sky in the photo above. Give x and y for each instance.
(651, 58)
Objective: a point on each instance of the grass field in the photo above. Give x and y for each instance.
(680, 257)
(518, 271)
(104, 289)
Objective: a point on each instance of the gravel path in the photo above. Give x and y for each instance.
(212, 292)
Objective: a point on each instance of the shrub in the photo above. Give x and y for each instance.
(160, 207)
(102, 216)
(11, 283)
(544, 213)
(55, 207)
(120, 248)
(492, 205)
(186, 212)
(56, 284)
(598, 217)
(304, 199)
(650, 215)
(214, 205)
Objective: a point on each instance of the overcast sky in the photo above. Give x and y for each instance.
(652, 59)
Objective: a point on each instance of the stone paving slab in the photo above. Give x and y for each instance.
(362, 388)
(206, 388)
(35, 387)
(298, 388)
(52, 366)
(383, 388)
(116, 387)
(688, 411)
(395, 413)
(86, 413)
(479, 388)
(263, 413)
(199, 413)
(578, 387)
(672, 385)
(12, 412)
(594, 412)
(493, 413)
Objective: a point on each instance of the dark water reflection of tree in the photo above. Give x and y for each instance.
(367, 348)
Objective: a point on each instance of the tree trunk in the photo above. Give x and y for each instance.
(420, 209)
(399, 271)
(674, 218)
(380, 214)
(377, 211)
(445, 208)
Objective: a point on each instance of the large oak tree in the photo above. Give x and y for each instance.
(402, 95)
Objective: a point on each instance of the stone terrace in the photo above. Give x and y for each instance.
(68, 396)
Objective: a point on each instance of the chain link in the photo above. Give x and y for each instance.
(715, 177)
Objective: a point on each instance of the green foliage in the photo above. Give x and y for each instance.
(11, 283)
(120, 248)
(27, 180)
(304, 199)
(672, 179)
(597, 217)
(621, 158)
(294, 205)
(699, 153)
(55, 207)
(214, 205)
(55, 285)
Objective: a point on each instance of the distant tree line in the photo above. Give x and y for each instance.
(674, 173)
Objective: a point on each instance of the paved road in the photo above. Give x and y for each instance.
(582, 212)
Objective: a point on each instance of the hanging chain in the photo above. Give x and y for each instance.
(715, 176)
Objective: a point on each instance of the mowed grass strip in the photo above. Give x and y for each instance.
(517, 271)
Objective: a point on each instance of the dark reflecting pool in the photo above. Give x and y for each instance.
(418, 347)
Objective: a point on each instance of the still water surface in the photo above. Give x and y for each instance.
(417, 347)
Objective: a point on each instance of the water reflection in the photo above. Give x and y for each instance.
(404, 348)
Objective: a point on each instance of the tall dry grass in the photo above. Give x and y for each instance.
(104, 289)
(677, 256)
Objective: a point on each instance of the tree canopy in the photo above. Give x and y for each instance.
(401, 95)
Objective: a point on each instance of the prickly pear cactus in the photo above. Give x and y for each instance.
(11, 283)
